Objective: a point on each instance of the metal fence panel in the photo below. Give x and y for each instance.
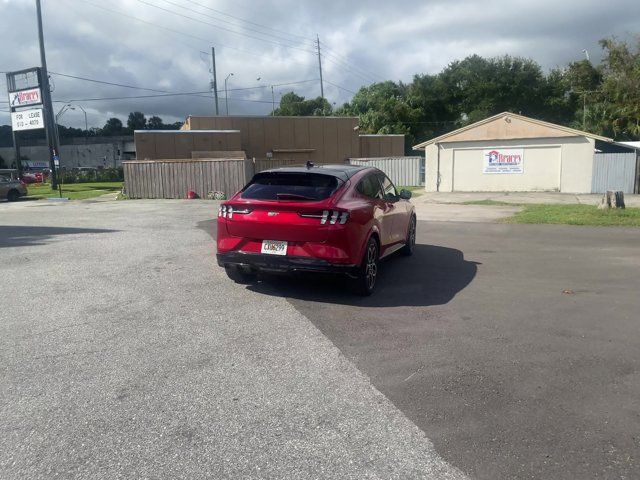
(614, 171)
(174, 178)
(406, 171)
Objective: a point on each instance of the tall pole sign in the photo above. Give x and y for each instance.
(25, 101)
(31, 106)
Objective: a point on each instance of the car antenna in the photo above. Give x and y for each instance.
(310, 165)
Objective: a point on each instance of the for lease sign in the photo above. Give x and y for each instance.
(27, 119)
(25, 97)
(503, 160)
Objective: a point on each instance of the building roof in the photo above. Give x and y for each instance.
(538, 128)
(635, 145)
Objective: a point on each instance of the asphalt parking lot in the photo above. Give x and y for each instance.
(496, 351)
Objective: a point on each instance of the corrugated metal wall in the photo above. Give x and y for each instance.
(614, 171)
(404, 171)
(174, 178)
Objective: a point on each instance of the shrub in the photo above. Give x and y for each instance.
(86, 176)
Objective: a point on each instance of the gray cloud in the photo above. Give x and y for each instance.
(363, 42)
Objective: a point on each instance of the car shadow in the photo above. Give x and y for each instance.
(433, 275)
(20, 236)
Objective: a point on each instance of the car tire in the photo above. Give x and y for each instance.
(368, 269)
(240, 275)
(13, 195)
(410, 243)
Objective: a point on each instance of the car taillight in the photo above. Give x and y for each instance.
(331, 216)
(227, 211)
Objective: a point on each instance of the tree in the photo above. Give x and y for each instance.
(136, 121)
(621, 88)
(112, 127)
(483, 87)
(383, 108)
(155, 123)
(296, 106)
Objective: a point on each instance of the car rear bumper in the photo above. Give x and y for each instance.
(283, 264)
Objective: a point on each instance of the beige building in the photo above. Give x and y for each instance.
(510, 152)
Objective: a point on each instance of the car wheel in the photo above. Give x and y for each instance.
(13, 195)
(411, 238)
(240, 275)
(369, 269)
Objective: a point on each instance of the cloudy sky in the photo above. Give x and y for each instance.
(163, 46)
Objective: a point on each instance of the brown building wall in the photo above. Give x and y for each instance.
(320, 139)
(151, 145)
(381, 146)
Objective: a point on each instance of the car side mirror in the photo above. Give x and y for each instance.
(405, 194)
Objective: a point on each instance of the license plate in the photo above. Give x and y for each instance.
(274, 247)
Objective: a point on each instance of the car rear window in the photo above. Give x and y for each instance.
(291, 186)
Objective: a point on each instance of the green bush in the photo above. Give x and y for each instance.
(88, 176)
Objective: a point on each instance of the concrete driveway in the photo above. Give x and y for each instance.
(497, 351)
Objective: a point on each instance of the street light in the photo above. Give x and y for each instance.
(226, 96)
(62, 111)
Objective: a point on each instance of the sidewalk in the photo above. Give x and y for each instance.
(517, 198)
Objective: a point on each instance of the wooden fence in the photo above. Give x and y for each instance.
(174, 178)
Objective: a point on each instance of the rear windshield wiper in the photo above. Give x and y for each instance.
(292, 196)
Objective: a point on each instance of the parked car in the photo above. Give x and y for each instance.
(29, 178)
(332, 219)
(11, 189)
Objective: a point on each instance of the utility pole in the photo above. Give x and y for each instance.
(52, 141)
(215, 79)
(320, 67)
(273, 102)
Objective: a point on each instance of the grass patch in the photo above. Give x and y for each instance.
(491, 202)
(73, 191)
(575, 214)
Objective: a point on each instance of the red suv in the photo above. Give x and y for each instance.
(331, 219)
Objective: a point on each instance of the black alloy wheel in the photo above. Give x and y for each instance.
(410, 244)
(369, 269)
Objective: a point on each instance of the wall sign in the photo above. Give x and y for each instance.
(503, 160)
(25, 97)
(27, 119)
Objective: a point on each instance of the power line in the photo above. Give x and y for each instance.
(338, 86)
(335, 55)
(222, 28)
(75, 77)
(207, 40)
(108, 83)
(345, 60)
(347, 67)
(249, 21)
(137, 97)
(268, 35)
